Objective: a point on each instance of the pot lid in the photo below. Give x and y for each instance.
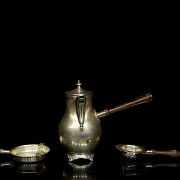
(78, 91)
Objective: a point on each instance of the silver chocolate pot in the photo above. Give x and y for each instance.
(80, 127)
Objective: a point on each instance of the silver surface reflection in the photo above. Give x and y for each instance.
(79, 171)
(132, 168)
(34, 168)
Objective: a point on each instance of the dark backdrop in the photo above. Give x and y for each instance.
(33, 100)
(118, 59)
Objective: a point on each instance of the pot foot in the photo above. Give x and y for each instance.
(74, 156)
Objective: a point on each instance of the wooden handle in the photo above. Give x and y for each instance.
(173, 153)
(140, 100)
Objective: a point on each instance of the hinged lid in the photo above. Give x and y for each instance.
(78, 91)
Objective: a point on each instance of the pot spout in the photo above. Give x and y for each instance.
(140, 100)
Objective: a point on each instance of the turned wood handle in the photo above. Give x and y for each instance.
(140, 100)
(173, 153)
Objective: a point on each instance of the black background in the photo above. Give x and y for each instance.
(117, 56)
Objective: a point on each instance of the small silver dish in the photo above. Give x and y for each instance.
(131, 151)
